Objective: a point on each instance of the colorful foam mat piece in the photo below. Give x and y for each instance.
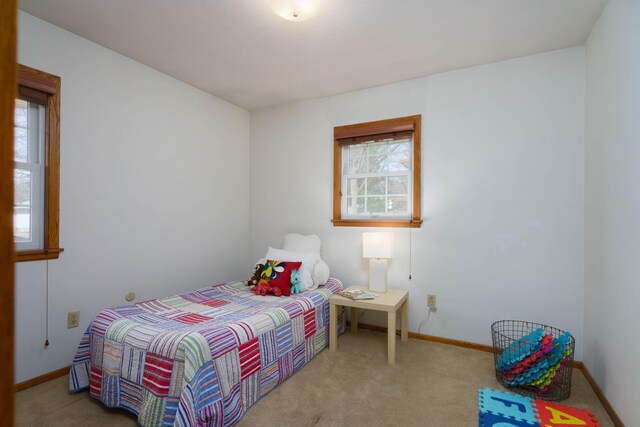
(502, 409)
(534, 360)
(520, 350)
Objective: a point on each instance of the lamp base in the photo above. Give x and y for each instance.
(378, 275)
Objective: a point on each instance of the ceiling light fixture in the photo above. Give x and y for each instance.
(294, 10)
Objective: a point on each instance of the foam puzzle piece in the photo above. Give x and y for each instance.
(511, 406)
(546, 380)
(539, 367)
(546, 345)
(492, 420)
(502, 409)
(559, 346)
(520, 349)
(547, 385)
(555, 414)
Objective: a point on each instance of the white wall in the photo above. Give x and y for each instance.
(612, 225)
(154, 191)
(503, 191)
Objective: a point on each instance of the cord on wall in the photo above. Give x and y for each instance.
(424, 321)
(410, 246)
(46, 316)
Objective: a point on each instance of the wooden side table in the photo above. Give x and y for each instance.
(388, 301)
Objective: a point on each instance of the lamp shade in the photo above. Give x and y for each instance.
(377, 245)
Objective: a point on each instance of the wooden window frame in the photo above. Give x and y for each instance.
(31, 78)
(354, 133)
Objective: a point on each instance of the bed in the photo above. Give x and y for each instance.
(202, 357)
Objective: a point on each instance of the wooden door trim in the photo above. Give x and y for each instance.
(8, 76)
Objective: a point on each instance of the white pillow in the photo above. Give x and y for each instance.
(309, 261)
(310, 243)
(321, 273)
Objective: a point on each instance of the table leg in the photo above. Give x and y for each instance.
(333, 327)
(405, 320)
(354, 319)
(391, 337)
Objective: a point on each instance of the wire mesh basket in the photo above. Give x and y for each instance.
(533, 359)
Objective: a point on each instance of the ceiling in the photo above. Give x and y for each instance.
(241, 51)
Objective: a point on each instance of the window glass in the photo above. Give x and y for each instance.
(28, 211)
(400, 156)
(355, 186)
(22, 206)
(397, 185)
(373, 172)
(21, 149)
(357, 158)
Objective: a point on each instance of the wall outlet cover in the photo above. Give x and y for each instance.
(73, 319)
(431, 300)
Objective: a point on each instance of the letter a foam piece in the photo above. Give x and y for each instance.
(557, 415)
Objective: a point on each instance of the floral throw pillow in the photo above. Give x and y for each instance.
(278, 274)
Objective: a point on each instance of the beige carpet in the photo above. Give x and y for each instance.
(430, 385)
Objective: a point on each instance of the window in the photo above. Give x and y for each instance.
(28, 175)
(377, 174)
(37, 164)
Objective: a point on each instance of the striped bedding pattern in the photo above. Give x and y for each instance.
(202, 357)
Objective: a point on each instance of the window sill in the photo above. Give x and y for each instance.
(37, 255)
(405, 223)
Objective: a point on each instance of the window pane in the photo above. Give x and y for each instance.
(22, 181)
(345, 160)
(21, 115)
(398, 184)
(357, 159)
(376, 204)
(355, 187)
(21, 144)
(357, 150)
(376, 186)
(377, 164)
(398, 204)
(377, 149)
(355, 205)
(400, 156)
(22, 224)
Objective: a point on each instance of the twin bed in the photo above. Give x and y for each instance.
(203, 357)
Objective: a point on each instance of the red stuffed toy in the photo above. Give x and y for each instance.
(263, 288)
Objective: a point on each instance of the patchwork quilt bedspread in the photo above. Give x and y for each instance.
(202, 357)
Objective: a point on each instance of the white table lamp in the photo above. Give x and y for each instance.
(377, 246)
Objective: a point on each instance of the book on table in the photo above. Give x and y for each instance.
(358, 294)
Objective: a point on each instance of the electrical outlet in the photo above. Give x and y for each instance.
(431, 300)
(73, 319)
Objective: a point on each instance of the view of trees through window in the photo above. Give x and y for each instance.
(377, 177)
(28, 172)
